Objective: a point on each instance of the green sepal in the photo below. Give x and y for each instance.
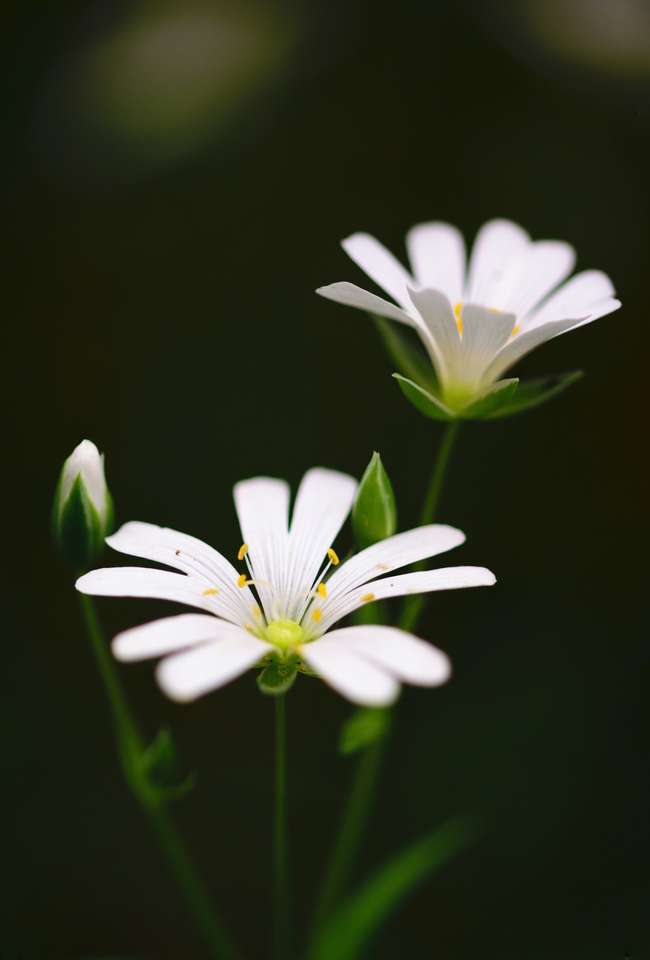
(76, 527)
(409, 359)
(424, 401)
(278, 676)
(160, 766)
(533, 393)
(374, 514)
(365, 727)
(489, 402)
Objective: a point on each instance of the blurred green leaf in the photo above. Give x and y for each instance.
(348, 933)
(374, 514)
(422, 400)
(161, 766)
(533, 393)
(278, 677)
(491, 401)
(363, 728)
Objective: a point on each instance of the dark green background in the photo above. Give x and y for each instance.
(166, 310)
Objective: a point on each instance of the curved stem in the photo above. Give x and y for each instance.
(414, 606)
(281, 905)
(356, 813)
(131, 748)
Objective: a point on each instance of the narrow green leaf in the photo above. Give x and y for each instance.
(348, 933)
(161, 767)
(277, 677)
(410, 359)
(363, 728)
(533, 393)
(374, 515)
(422, 400)
(491, 400)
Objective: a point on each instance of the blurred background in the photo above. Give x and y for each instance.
(177, 178)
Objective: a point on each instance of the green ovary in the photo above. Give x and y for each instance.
(285, 634)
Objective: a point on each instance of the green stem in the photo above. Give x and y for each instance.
(281, 904)
(414, 605)
(130, 748)
(356, 814)
(350, 835)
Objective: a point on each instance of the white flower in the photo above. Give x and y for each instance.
(476, 323)
(83, 508)
(87, 463)
(295, 602)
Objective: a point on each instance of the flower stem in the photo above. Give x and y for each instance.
(356, 814)
(350, 835)
(131, 748)
(281, 904)
(414, 606)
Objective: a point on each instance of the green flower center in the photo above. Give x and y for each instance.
(285, 634)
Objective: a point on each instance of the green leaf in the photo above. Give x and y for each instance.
(374, 514)
(160, 764)
(422, 400)
(363, 728)
(278, 676)
(533, 393)
(76, 526)
(409, 359)
(348, 933)
(490, 401)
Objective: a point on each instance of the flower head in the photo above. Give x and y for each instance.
(83, 508)
(476, 322)
(283, 608)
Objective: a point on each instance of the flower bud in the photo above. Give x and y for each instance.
(374, 515)
(83, 509)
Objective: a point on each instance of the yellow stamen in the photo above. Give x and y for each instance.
(458, 313)
(316, 615)
(367, 597)
(257, 613)
(241, 580)
(494, 310)
(321, 590)
(243, 550)
(515, 330)
(333, 557)
(210, 592)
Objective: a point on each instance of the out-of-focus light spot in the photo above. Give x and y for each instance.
(609, 35)
(162, 81)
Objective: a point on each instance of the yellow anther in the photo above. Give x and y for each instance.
(321, 590)
(210, 592)
(257, 613)
(241, 580)
(250, 628)
(494, 310)
(459, 316)
(316, 615)
(333, 557)
(367, 597)
(243, 550)
(516, 329)
(383, 567)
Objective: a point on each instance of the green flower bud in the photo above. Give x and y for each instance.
(83, 509)
(374, 515)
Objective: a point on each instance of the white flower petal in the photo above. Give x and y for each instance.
(152, 584)
(192, 674)
(601, 309)
(86, 460)
(545, 264)
(192, 556)
(576, 298)
(262, 505)
(390, 554)
(323, 501)
(160, 637)
(437, 254)
(380, 265)
(406, 657)
(484, 333)
(354, 677)
(425, 581)
(353, 296)
(495, 263)
(440, 323)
